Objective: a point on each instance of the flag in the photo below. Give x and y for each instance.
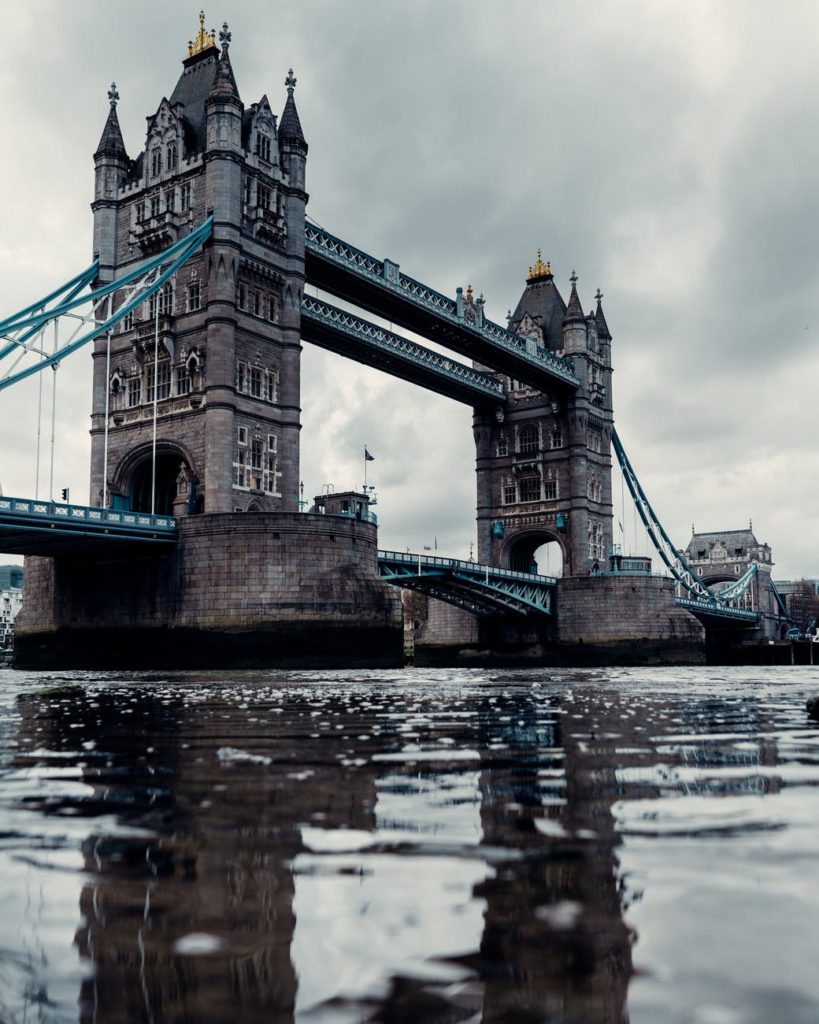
(367, 456)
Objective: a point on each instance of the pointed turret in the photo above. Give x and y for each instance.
(602, 326)
(224, 86)
(290, 125)
(575, 333)
(111, 144)
(541, 304)
(574, 311)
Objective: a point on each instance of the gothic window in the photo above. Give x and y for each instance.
(272, 386)
(556, 439)
(241, 297)
(257, 303)
(502, 446)
(241, 377)
(256, 382)
(165, 302)
(140, 212)
(193, 298)
(241, 473)
(270, 463)
(528, 440)
(170, 200)
(272, 309)
(183, 380)
(529, 488)
(155, 206)
(550, 490)
(594, 441)
(185, 197)
(263, 146)
(264, 197)
(170, 156)
(128, 321)
(156, 161)
(247, 191)
(509, 494)
(595, 534)
(595, 489)
(159, 380)
(134, 391)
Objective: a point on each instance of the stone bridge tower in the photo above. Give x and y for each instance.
(226, 380)
(544, 465)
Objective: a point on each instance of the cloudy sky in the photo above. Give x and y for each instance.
(666, 150)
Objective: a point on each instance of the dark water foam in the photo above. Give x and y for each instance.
(584, 846)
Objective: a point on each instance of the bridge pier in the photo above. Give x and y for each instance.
(599, 620)
(242, 590)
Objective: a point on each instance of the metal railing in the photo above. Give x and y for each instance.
(36, 510)
(386, 275)
(461, 565)
(318, 312)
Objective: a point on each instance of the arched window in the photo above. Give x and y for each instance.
(156, 161)
(263, 146)
(528, 439)
(170, 156)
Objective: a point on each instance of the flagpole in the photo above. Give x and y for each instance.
(365, 468)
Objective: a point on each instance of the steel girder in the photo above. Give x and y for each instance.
(348, 335)
(701, 597)
(23, 332)
(379, 286)
(482, 589)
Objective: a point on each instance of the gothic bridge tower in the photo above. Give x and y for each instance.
(544, 465)
(226, 380)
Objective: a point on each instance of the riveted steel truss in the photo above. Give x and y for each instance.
(379, 285)
(25, 337)
(349, 335)
(480, 589)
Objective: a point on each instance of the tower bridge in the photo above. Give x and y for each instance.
(195, 318)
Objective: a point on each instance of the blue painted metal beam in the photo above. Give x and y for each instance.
(175, 257)
(481, 589)
(29, 526)
(348, 335)
(378, 286)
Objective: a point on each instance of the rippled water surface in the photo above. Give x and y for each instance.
(513, 847)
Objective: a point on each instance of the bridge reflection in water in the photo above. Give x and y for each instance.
(341, 850)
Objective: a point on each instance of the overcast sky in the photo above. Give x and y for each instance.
(667, 151)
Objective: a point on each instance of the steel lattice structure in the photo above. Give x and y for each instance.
(88, 315)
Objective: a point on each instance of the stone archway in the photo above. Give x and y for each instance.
(536, 551)
(175, 486)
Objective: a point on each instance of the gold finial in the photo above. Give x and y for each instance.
(204, 39)
(540, 271)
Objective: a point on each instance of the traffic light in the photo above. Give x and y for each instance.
(65, 495)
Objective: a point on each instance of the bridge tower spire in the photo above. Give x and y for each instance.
(224, 390)
(543, 462)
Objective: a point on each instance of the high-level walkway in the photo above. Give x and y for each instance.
(379, 286)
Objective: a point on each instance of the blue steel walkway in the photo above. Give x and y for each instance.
(379, 286)
(480, 589)
(35, 527)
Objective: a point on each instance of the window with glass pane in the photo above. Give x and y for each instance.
(134, 392)
(183, 381)
(161, 380)
(509, 494)
(256, 382)
(530, 488)
(528, 439)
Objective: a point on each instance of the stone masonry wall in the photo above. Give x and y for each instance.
(248, 588)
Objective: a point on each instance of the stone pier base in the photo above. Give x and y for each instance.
(598, 620)
(238, 590)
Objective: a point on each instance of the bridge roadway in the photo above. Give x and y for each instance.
(29, 526)
(379, 286)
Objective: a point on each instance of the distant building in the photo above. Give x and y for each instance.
(723, 557)
(11, 601)
(11, 577)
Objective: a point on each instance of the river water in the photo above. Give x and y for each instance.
(421, 846)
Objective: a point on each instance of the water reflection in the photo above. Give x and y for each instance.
(332, 849)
